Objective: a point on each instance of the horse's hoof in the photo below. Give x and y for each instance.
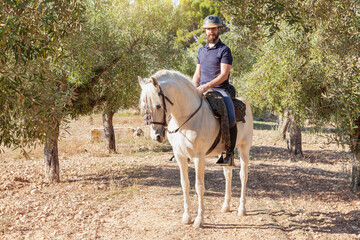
(225, 208)
(242, 212)
(198, 223)
(186, 219)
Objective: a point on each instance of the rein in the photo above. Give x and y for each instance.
(193, 114)
(164, 123)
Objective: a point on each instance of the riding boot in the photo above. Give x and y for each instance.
(229, 158)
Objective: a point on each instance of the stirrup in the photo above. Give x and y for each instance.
(228, 161)
(220, 160)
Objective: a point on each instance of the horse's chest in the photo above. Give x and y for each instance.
(182, 142)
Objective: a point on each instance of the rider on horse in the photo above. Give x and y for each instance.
(214, 62)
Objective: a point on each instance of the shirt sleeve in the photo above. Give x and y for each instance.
(198, 56)
(226, 56)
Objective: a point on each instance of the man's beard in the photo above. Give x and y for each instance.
(212, 38)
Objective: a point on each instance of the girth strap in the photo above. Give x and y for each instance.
(216, 142)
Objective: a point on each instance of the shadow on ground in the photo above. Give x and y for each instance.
(273, 180)
(261, 153)
(332, 222)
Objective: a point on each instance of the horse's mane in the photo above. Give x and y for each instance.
(163, 76)
(175, 76)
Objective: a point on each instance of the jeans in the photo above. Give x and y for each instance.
(229, 105)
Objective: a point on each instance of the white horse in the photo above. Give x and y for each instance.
(172, 104)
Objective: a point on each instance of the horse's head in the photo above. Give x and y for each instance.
(153, 105)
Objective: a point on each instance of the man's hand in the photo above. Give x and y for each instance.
(204, 88)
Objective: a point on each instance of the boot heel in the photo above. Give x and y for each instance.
(229, 160)
(220, 161)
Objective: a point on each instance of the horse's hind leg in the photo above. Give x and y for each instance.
(244, 160)
(200, 190)
(185, 184)
(228, 178)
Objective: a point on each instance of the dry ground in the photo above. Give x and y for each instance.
(136, 193)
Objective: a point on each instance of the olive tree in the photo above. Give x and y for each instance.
(122, 40)
(33, 89)
(284, 79)
(331, 32)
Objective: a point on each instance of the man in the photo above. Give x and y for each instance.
(212, 71)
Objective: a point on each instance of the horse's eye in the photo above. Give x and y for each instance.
(158, 106)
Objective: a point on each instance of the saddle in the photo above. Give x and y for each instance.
(218, 107)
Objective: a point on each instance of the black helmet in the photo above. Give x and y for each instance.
(212, 21)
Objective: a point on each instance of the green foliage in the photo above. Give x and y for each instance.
(61, 58)
(263, 18)
(192, 13)
(243, 58)
(284, 78)
(121, 41)
(340, 60)
(104, 56)
(32, 87)
(306, 58)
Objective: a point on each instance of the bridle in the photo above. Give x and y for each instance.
(148, 117)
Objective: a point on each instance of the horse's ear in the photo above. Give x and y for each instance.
(154, 82)
(141, 81)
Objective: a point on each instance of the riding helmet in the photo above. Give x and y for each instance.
(212, 21)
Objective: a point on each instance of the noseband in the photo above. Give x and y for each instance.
(148, 116)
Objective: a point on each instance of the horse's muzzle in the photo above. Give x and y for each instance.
(159, 138)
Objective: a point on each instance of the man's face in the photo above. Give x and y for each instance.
(212, 34)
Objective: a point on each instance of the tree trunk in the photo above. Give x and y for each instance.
(109, 131)
(355, 148)
(283, 125)
(295, 140)
(295, 143)
(51, 157)
(355, 175)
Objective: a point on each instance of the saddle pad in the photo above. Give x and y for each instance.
(217, 105)
(240, 107)
(240, 110)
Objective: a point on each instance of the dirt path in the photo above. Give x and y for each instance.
(138, 196)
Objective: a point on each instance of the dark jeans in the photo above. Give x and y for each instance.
(229, 105)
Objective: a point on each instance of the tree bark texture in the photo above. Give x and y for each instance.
(355, 148)
(294, 144)
(283, 126)
(109, 133)
(51, 157)
(295, 139)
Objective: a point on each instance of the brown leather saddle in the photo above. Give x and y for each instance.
(218, 107)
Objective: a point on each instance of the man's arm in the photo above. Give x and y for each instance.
(224, 74)
(196, 77)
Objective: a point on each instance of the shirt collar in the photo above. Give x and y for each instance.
(216, 45)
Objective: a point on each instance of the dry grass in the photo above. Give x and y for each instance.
(76, 140)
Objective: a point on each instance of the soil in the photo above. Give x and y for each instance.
(136, 193)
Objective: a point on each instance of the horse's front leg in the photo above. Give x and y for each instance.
(228, 178)
(185, 184)
(200, 189)
(244, 160)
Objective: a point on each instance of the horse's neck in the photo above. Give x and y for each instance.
(186, 101)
